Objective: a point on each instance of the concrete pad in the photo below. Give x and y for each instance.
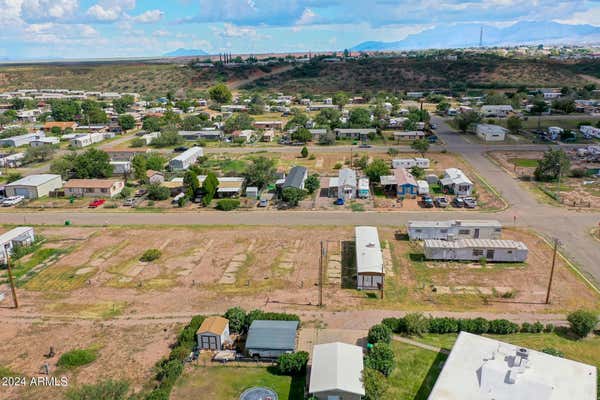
(83, 271)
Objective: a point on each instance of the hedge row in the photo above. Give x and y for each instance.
(417, 324)
(169, 369)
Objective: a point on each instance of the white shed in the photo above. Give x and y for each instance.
(252, 192)
(369, 259)
(19, 236)
(422, 187)
(491, 133)
(336, 372)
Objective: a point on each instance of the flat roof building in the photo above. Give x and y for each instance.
(336, 372)
(271, 338)
(476, 249)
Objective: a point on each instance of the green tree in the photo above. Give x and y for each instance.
(126, 122)
(257, 105)
(158, 192)
(420, 146)
(63, 166)
(65, 110)
(155, 161)
(195, 122)
(466, 119)
(183, 105)
(417, 172)
(553, 163)
(209, 188)
(39, 153)
(139, 167)
(376, 169)
(442, 107)
(93, 112)
(302, 135)
(220, 93)
(359, 118)
(340, 99)
(13, 177)
(514, 124)
(582, 322)
(55, 131)
(236, 317)
(304, 152)
(375, 384)
(13, 131)
(92, 163)
(293, 196)
(565, 105)
(137, 142)
(168, 137)
(122, 105)
(238, 122)
(152, 124)
(298, 120)
(539, 107)
(379, 333)
(381, 358)
(312, 183)
(260, 172)
(328, 118)
(327, 139)
(17, 103)
(190, 183)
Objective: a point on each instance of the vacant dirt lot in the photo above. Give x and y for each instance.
(574, 192)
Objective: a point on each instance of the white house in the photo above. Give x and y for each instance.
(454, 229)
(43, 141)
(121, 167)
(490, 132)
(457, 182)
(496, 110)
(213, 333)
(19, 236)
(336, 372)
(481, 368)
(93, 187)
(88, 139)
(410, 162)
(492, 250)
(187, 158)
(369, 259)
(345, 184)
(21, 140)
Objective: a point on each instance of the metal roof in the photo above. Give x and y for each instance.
(337, 366)
(463, 223)
(475, 243)
(214, 325)
(276, 335)
(347, 177)
(34, 180)
(295, 177)
(14, 233)
(368, 250)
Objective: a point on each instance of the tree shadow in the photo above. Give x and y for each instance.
(417, 257)
(566, 333)
(297, 387)
(348, 265)
(434, 371)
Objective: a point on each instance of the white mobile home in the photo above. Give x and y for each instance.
(491, 133)
(85, 140)
(187, 158)
(457, 182)
(369, 259)
(20, 236)
(476, 249)
(410, 162)
(484, 368)
(21, 140)
(496, 110)
(336, 372)
(454, 229)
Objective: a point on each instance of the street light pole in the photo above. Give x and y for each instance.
(10, 277)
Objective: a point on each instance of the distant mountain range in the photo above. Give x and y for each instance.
(185, 53)
(467, 35)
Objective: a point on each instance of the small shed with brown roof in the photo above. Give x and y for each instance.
(213, 333)
(58, 124)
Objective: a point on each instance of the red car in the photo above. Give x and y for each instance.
(96, 203)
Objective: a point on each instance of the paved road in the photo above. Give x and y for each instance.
(570, 226)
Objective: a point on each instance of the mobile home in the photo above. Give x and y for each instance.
(476, 249)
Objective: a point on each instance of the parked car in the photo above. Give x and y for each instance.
(96, 203)
(364, 146)
(427, 201)
(140, 192)
(12, 201)
(433, 126)
(441, 202)
(470, 202)
(180, 149)
(263, 203)
(458, 202)
(130, 202)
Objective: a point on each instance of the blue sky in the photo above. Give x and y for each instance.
(134, 28)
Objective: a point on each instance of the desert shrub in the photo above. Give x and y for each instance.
(582, 322)
(76, 358)
(526, 327)
(379, 333)
(537, 327)
(228, 204)
(293, 364)
(106, 390)
(151, 255)
(338, 165)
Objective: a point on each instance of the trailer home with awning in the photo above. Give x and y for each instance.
(369, 259)
(475, 250)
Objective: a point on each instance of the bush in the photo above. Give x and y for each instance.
(416, 324)
(381, 358)
(396, 325)
(76, 358)
(549, 328)
(502, 327)
(158, 192)
(151, 255)
(138, 142)
(476, 325)
(107, 390)
(375, 384)
(578, 173)
(228, 204)
(553, 352)
(338, 165)
(293, 364)
(236, 317)
(379, 333)
(582, 322)
(443, 325)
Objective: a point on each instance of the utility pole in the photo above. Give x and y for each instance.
(552, 271)
(322, 256)
(558, 187)
(10, 277)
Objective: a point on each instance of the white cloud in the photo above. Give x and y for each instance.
(591, 17)
(99, 13)
(160, 33)
(231, 31)
(308, 17)
(149, 16)
(47, 10)
(53, 33)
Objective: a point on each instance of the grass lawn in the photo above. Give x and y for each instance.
(524, 162)
(415, 373)
(228, 382)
